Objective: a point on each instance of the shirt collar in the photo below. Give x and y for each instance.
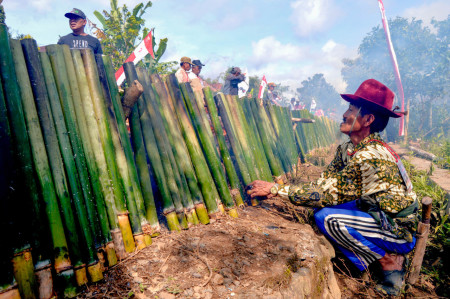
(351, 150)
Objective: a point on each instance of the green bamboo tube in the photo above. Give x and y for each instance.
(97, 167)
(129, 189)
(142, 168)
(180, 155)
(201, 104)
(42, 168)
(208, 147)
(51, 142)
(155, 160)
(147, 204)
(258, 153)
(185, 195)
(241, 134)
(290, 135)
(234, 142)
(24, 273)
(61, 257)
(108, 147)
(164, 148)
(86, 155)
(180, 150)
(22, 151)
(251, 122)
(154, 155)
(50, 136)
(267, 142)
(209, 192)
(135, 200)
(279, 136)
(225, 154)
(284, 118)
(100, 166)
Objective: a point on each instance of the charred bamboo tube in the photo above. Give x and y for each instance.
(234, 142)
(181, 156)
(209, 192)
(131, 189)
(154, 155)
(60, 251)
(225, 154)
(209, 150)
(108, 147)
(144, 197)
(100, 179)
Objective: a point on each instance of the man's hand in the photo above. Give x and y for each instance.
(260, 188)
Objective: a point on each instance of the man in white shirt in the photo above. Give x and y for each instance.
(182, 73)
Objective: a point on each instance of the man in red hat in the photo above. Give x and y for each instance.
(366, 206)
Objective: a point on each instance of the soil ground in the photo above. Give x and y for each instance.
(245, 257)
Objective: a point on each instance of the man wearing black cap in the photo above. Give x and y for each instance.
(195, 71)
(78, 39)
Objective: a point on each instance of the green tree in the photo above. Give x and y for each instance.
(326, 97)
(423, 59)
(122, 30)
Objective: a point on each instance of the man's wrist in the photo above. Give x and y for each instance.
(274, 189)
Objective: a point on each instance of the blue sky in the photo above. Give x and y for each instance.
(287, 41)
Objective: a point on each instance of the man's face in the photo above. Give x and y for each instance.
(186, 66)
(77, 23)
(271, 87)
(348, 118)
(196, 69)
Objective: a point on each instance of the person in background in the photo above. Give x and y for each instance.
(232, 80)
(364, 200)
(182, 73)
(78, 39)
(292, 104)
(269, 95)
(197, 82)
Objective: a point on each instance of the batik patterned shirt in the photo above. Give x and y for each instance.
(367, 170)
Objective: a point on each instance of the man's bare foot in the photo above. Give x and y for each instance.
(392, 262)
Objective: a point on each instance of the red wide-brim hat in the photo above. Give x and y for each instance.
(375, 96)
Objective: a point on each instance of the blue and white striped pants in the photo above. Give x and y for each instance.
(358, 235)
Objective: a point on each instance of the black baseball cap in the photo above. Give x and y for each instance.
(75, 13)
(197, 62)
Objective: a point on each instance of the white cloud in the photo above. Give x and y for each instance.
(290, 64)
(312, 16)
(269, 49)
(438, 10)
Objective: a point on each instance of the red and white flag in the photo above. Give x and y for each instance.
(144, 48)
(262, 87)
(398, 80)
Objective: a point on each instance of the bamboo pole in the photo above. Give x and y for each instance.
(234, 142)
(132, 190)
(54, 154)
(60, 251)
(181, 155)
(108, 147)
(209, 192)
(154, 155)
(146, 205)
(15, 239)
(97, 166)
(209, 150)
(225, 154)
